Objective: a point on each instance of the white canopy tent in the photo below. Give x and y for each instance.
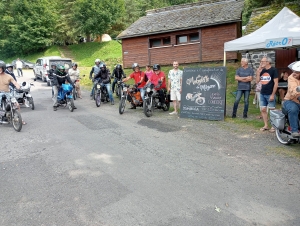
(283, 31)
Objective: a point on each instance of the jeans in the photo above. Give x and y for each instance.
(55, 93)
(238, 98)
(293, 110)
(20, 72)
(114, 85)
(265, 101)
(142, 91)
(109, 91)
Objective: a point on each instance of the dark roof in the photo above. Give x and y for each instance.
(187, 16)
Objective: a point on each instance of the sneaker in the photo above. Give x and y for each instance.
(74, 107)
(295, 134)
(254, 101)
(173, 113)
(233, 116)
(112, 102)
(245, 116)
(132, 106)
(54, 108)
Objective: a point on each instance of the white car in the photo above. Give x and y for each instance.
(43, 65)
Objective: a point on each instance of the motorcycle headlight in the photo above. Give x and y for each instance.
(148, 89)
(98, 86)
(13, 100)
(125, 89)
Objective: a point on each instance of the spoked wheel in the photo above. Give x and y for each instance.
(122, 104)
(71, 105)
(31, 103)
(16, 120)
(119, 92)
(283, 137)
(148, 108)
(166, 107)
(74, 94)
(98, 99)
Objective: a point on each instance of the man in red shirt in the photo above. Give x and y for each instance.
(139, 78)
(158, 79)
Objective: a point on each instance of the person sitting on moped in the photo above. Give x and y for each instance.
(158, 79)
(291, 100)
(104, 77)
(74, 75)
(118, 74)
(139, 78)
(59, 78)
(95, 70)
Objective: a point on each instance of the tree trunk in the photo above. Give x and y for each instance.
(88, 37)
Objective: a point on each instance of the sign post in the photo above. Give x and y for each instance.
(203, 93)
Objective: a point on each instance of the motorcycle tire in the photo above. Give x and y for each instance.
(119, 91)
(166, 107)
(74, 94)
(122, 105)
(70, 103)
(148, 107)
(98, 99)
(280, 137)
(31, 103)
(16, 120)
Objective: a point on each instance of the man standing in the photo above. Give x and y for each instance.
(244, 76)
(19, 66)
(174, 86)
(291, 100)
(268, 76)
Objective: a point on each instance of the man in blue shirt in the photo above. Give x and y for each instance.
(244, 76)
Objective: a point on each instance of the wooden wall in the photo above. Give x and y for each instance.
(210, 47)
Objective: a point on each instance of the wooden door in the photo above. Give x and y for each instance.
(283, 58)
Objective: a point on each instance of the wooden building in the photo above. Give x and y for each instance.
(188, 33)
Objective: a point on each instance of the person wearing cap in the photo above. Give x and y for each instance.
(291, 100)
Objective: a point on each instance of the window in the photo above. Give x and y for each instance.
(164, 41)
(182, 39)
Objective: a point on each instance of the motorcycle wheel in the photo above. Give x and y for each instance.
(74, 94)
(122, 105)
(98, 99)
(16, 120)
(167, 107)
(147, 107)
(31, 103)
(119, 92)
(282, 137)
(70, 103)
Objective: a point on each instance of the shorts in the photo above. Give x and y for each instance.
(175, 95)
(265, 101)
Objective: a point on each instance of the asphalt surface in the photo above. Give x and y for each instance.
(96, 167)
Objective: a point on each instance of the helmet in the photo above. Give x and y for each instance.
(53, 65)
(103, 67)
(295, 66)
(119, 67)
(97, 61)
(9, 65)
(156, 67)
(2, 65)
(74, 65)
(60, 69)
(134, 65)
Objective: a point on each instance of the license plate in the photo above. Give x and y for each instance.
(98, 86)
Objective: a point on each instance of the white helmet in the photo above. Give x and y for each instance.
(295, 66)
(97, 61)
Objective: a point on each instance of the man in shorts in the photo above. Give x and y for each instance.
(174, 86)
(268, 77)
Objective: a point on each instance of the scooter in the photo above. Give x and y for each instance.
(23, 95)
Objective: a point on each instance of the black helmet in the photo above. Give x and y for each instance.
(156, 67)
(134, 65)
(9, 65)
(74, 65)
(119, 67)
(2, 65)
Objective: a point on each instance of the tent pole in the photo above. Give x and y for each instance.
(224, 63)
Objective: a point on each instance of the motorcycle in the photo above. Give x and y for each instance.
(75, 94)
(9, 113)
(152, 100)
(65, 97)
(101, 93)
(132, 94)
(280, 121)
(119, 88)
(23, 95)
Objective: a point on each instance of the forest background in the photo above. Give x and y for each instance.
(30, 26)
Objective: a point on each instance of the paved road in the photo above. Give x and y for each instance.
(96, 167)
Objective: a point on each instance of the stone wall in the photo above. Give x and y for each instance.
(256, 57)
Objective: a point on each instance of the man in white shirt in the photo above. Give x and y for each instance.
(19, 66)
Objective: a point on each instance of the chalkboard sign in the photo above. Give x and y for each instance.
(203, 93)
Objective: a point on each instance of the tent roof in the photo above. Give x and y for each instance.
(285, 24)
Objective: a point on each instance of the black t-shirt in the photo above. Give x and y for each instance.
(267, 77)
